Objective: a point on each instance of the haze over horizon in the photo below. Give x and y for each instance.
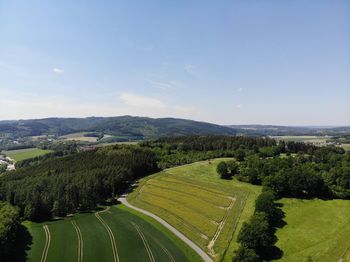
(240, 62)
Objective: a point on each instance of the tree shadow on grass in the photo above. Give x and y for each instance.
(279, 216)
(273, 253)
(21, 247)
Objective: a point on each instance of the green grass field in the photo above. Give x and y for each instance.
(205, 208)
(316, 230)
(89, 237)
(22, 154)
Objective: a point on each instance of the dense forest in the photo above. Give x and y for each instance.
(58, 186)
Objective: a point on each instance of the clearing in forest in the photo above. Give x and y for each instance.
(197, 202)
(22, 154)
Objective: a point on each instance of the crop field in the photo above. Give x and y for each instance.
(316, 230)
(79, 137)
(205, 208)
(22, 154)
(113, 234)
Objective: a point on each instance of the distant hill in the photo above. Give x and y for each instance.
(274, 130)
(138, 128)
(123, 126)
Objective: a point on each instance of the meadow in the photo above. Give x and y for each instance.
(316, 230)
(112, 234)
(196, 201)
(22, 154)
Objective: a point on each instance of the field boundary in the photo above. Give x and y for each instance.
(110, 233)
(220, 227)
(242, 205)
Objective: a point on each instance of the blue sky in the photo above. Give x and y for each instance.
(227, 62)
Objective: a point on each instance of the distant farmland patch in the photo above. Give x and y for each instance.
(316, 230)
(205, 208)
(317, 140)
(22, 154)
(81, 136)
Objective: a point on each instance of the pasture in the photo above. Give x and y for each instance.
(22, 154)
(316, 230)
(205, 208)
(112, 234)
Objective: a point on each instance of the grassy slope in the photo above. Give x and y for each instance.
(22, 154)
(97, 245)
(316, 229)
(200, 174)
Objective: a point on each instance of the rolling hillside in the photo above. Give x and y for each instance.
(123, 126)
(208, 210)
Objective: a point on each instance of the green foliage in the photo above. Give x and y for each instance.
(266, 203)
(9, 222)
(256, 234)
(57, 186)
(222, 170)
(244, 254)
(2, 168)
(233, 167)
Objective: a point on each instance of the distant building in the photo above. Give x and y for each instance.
(11, 167)
(2, 162)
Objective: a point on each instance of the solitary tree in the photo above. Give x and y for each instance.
(222, 169)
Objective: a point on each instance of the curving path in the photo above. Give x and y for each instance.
(196, 248)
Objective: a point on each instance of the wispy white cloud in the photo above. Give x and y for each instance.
(240, 89)
(190, 69)
(163, 84)
(153, 107)
(239, 106)
(58, 70)
(141, 101)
